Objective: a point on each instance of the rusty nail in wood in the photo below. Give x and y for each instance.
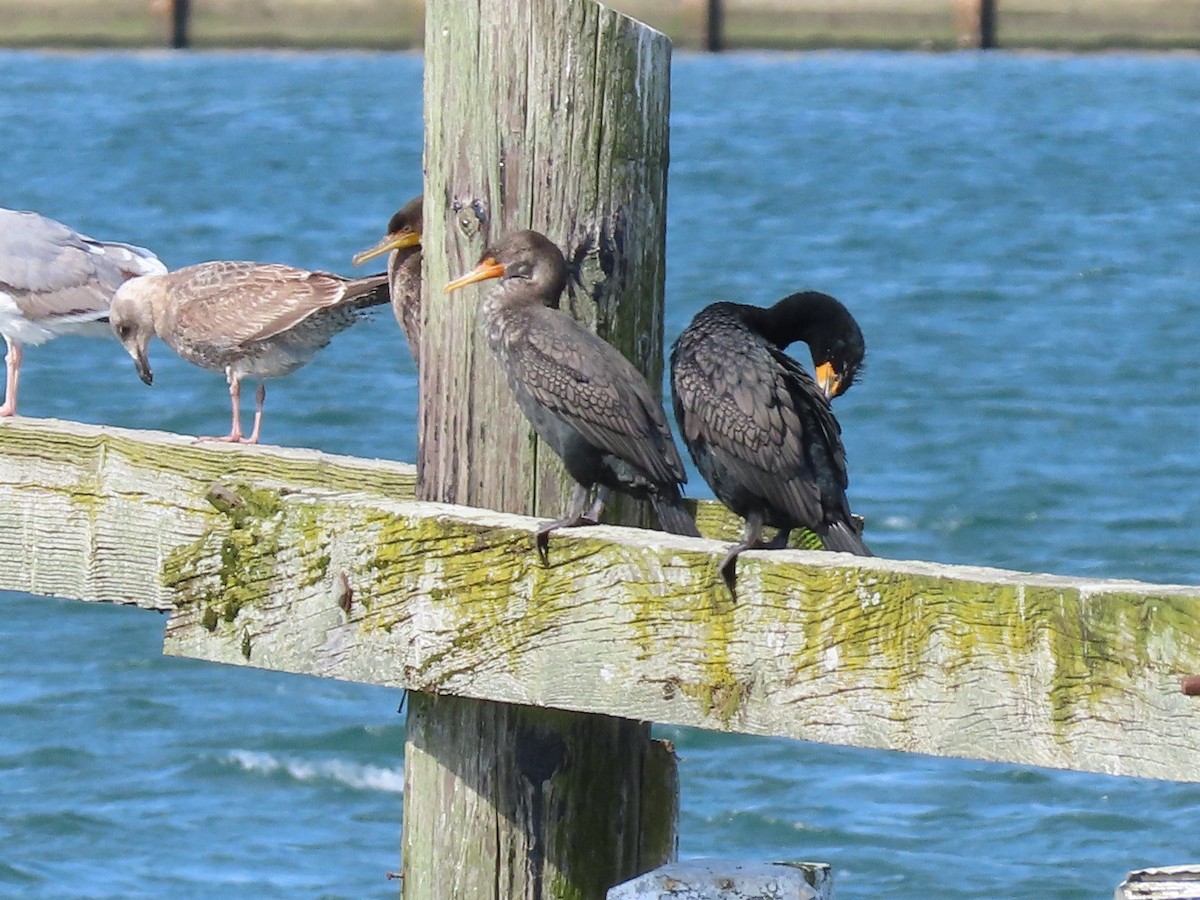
(1191, 685)
(392, 876)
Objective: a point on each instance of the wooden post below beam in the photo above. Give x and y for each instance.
(558, 767)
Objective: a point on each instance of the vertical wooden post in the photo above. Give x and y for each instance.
(181, 11)
(705, 19)
(975, 23)
(547, 115)
(987, 25)
(714, 33)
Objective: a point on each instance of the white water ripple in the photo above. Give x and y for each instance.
(354, 775)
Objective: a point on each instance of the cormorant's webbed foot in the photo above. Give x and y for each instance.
(728, 567)
(542, 538)
(752, 540)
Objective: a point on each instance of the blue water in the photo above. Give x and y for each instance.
(1018, 238)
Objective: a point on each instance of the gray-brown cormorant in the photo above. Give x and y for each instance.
(243, 318)
(758, 427)
(583, 398)
(403, 244)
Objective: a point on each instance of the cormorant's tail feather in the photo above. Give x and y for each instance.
(673, 515)
(843, 539)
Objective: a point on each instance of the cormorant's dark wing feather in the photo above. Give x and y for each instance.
(825, 434)
(761, 413)
(591, 386)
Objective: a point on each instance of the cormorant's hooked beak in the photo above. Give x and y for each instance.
(829, 380)
(487, 268)
(397, 240)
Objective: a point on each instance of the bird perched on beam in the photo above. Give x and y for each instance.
(583, 398)
(402, 243)
(757, 425)
(243, 318)
(56, 281)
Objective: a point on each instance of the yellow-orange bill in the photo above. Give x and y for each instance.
(489, 268)
(396, 241)
(828, 380)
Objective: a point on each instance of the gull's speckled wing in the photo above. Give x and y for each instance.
(234, 304)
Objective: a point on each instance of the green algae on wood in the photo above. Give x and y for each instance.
(245, 547)
(913, 656)
(948, 660)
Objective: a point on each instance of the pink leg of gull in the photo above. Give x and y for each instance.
(235, 401)
(259, 397)
(12, 361)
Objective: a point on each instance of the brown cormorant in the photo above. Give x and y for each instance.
(758, 427)
(403, 244)
(242, 318)
(583, 398)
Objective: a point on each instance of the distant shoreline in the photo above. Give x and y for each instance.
(1051, 25)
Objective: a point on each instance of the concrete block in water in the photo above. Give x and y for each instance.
(722, 879)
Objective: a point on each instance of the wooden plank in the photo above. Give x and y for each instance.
(934, 659)
(1161, 883)
(947, 660)
(94, 513)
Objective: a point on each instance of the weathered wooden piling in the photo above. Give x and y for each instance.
(975, 23)
(703, 24)
(714, 26)
(181, 14)
(552, 116)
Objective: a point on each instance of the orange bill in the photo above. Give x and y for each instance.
(828, 380)
(486, 269)
(397, 240)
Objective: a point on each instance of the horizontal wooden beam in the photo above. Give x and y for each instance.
(90, 513)
(308, 563)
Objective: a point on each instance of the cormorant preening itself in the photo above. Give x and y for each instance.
(758, 427)
(403, 244)
(582, 397)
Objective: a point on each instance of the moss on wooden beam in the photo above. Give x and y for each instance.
(273, 571)
(94, 513)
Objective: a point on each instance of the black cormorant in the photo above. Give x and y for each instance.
(757, 425)
(583, 398)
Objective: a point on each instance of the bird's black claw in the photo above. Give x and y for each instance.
(542, 542)
(728, 572)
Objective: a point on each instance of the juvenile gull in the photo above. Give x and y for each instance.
(757, 425)
(262, 320)
(55, 281)
(583, 398)
(402, 243)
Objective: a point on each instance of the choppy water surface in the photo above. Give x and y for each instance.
(1018, 237)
